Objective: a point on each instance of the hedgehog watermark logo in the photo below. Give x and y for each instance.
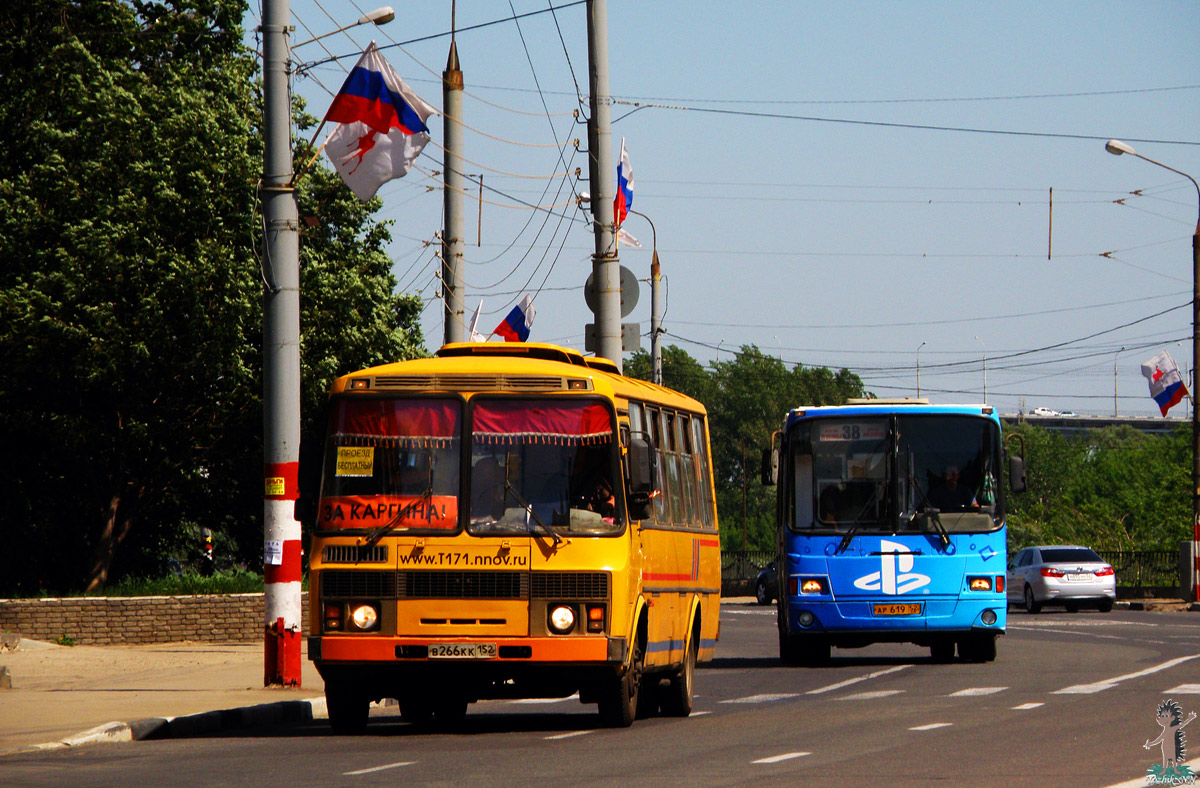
(1173, 743)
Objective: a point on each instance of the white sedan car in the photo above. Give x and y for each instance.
(1067, 575)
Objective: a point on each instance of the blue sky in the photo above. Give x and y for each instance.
(854, 185)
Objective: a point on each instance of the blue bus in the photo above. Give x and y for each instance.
(891, 527)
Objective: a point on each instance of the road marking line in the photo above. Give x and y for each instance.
(849, 682)
(378, 768)
(1027, 706)
(699, 713)
(787, 756)
(1100, 686)
(1184, 689)
(974, 692)
(871, 695)
(932, 726)
(764, 698)
(539, 701)
(570, 735)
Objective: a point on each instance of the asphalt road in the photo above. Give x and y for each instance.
(1070, 700)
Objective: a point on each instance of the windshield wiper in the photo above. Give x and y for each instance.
(934, 513)
(508, 488)
(846, 539)
(373, 537)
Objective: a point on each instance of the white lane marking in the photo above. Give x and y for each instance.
(1069, 632)
(1027, 706)
(975, 692)
(699, 713)
(848, 682)
(932, 726)
(764, 698)
(539, 701)
(1184, 689)
(787, 756)
(1100, 686)
(871, 695)
(570, 735)
(378, 768)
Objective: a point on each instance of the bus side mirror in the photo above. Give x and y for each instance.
(1016, 474)
(770, 467)
(641, 476)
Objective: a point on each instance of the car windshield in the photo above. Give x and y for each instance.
(1063, 555)
(391, 464)
(542, 464)
(889, 473)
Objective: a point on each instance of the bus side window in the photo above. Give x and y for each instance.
(662, 502)
(691, 491)
(678, 513)
(701, 448)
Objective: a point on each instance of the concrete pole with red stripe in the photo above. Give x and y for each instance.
(281, 360)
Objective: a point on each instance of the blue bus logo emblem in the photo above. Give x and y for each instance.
(895, 575)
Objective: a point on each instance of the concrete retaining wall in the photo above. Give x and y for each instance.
(102, 621)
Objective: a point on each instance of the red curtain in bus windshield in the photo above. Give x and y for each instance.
(392, 462)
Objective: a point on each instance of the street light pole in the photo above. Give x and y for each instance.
(980, 341)
(919, 369)
(281, 352)
(1118, 353)
(1116, 147)
(656, 306)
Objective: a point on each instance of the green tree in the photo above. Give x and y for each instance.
(130, 296)
(747, 399)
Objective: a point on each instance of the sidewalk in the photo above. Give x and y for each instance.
(72, 695)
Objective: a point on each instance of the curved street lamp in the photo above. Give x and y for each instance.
(380, 16)
(919, 369)
(1117, 148)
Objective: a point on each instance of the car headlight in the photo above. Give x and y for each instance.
(562, 619)
(364, 617)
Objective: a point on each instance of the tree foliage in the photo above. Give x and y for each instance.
(1110, 489)
(130, 295)
(747, 399)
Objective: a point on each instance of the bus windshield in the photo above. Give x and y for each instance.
(391, 464)
(542, 463)
(893, 473)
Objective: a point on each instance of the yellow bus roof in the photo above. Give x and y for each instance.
(529, 367)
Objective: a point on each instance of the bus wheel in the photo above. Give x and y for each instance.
(619, 695)
(348, 708)
(677, 699)
(942, 650)
(978, 647)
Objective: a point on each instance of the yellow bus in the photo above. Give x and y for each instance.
(512, 520)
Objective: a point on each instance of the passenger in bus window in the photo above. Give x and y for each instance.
(829, 503)
(950, 496)
(601, 500)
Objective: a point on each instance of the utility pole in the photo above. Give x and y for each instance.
(281, 359)
(656, 313)
(606, 269)
(453, 243)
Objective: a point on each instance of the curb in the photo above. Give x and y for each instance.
(192, 725)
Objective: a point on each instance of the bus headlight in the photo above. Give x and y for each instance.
(364, 617)
(561, 619)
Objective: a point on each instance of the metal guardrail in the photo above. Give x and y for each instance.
(744, 564)
(1144, 568)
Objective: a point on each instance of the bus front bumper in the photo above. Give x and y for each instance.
(884, 615)
(332, 649)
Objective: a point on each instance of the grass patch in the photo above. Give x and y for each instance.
(188, 584)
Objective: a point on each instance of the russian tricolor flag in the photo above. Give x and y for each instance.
(382, 127)
(624, 199)
(515, 327)
(1166, 384)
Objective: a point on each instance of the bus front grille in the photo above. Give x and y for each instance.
(354, 554)
(449, 584)
(569, 585)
